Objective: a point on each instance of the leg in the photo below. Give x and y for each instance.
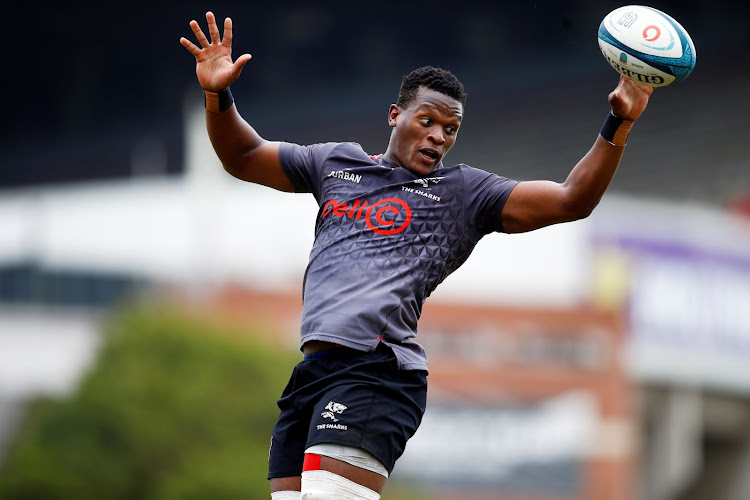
(323, 484)
(368, 479)
(286, 495)
(293, 483)
(357, 400)
(286, 487)
(286, 454)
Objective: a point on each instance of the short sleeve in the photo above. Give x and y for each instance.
(303, 164)
(489, 192)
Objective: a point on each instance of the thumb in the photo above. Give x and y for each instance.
(616, 94)
(239, 64)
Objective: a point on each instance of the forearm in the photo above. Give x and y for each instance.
(233, 139)
(535, 204)
(242, 151)
(591, 177)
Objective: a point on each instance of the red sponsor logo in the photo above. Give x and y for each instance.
(651, 33)
(380, 217)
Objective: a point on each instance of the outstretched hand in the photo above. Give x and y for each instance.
(629, 99)
(214, 66)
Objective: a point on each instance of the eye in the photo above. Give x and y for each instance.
(426, 121)
(451, 130)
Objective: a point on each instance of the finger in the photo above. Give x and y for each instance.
(618, 90)
(239, 64)
(212, 28)
(227, 41)
(198, 33)
(194, 49)
(647, 89)
(635, 89)
(623, 83)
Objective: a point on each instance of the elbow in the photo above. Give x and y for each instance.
(234, 172)
(231, 167)
(237, 164)
(585, 211)
(578, 209)
(579, 203)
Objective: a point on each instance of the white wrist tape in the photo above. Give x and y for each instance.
(351, 455)
(285, 495)
(325, 485)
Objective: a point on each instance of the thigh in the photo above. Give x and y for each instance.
(378, 414)
(286, 484)
(352, 398)
(289, 435)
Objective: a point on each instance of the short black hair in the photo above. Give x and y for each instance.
(437, 79)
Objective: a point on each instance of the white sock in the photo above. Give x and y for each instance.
(325, 485)
(285, 495)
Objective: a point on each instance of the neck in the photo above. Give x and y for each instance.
(389, 156)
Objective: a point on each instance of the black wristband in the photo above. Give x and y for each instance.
(616, 130)
(216, 102)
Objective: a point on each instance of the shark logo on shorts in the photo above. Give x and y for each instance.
(332, 408)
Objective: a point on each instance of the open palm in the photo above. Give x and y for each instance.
(214, 66)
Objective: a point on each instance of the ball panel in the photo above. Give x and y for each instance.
(645, 30)
(630, 66)
(646, 45)
(681, 73)
(688, 48)
(615, 49)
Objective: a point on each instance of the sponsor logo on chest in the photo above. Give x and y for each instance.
(347, 176)
(386, 216)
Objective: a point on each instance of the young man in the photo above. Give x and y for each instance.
(390, 228)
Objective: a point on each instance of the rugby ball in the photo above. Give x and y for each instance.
(646, 45)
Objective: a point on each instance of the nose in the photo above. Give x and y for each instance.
(436, 135)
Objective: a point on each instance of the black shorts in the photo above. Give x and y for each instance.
(347, 397)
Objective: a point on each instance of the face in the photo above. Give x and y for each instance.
(423, 133)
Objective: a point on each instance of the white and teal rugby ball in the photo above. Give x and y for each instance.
(646, 45)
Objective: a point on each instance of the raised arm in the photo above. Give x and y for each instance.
(535, 204)
(242, 151)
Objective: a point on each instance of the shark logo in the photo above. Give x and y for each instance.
(425, 182)
(332, 408)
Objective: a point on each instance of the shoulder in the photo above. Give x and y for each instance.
(477, 174)
(340, 149)
(472, 171)
(351, 149)
(292, 154)
(481, 183)
(470, 175)
(351, 155)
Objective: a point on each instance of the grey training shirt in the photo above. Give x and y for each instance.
(384, 239)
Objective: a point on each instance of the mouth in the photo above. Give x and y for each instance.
(431, 155)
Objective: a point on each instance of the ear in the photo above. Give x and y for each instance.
(393, 113)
